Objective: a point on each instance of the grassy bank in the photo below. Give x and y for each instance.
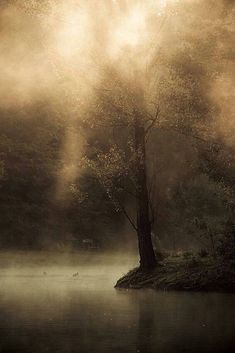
(189, 273)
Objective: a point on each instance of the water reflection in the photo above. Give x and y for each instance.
(59, 312)
(145, 330)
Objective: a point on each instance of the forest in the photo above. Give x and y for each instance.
(118, 136)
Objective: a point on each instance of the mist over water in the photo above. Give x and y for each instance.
(59, 62)
(66, 303)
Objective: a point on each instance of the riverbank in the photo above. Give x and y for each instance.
(192, 273)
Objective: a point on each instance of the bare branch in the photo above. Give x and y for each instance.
(153, 121)
(185, 133)
(116, 201)
(127, 216)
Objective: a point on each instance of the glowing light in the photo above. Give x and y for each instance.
(72, 34)
(131, 29)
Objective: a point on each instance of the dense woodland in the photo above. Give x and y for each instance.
(54, 194)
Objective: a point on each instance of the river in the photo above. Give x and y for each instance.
(69, 305)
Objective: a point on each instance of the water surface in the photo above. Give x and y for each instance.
(69, 305)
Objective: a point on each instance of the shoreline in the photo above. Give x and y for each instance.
(180, 274)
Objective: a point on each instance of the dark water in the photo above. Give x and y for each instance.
(51, 308)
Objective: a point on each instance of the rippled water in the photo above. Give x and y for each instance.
(73, 307)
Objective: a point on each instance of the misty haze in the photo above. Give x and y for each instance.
(117, 175)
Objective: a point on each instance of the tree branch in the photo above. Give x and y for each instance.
(115, 201)
(127, 216)
(187, 134)
(153, 121)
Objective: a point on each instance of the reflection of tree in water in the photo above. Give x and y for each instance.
(145, 328)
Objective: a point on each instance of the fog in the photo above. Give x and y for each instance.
(75, 76)
(64, 302)
(58, 52)
(69, 67)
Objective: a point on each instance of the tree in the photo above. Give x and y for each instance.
(120, 162)
(123, 103)
(147, 256)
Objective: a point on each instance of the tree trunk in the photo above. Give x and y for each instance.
(147, 256)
